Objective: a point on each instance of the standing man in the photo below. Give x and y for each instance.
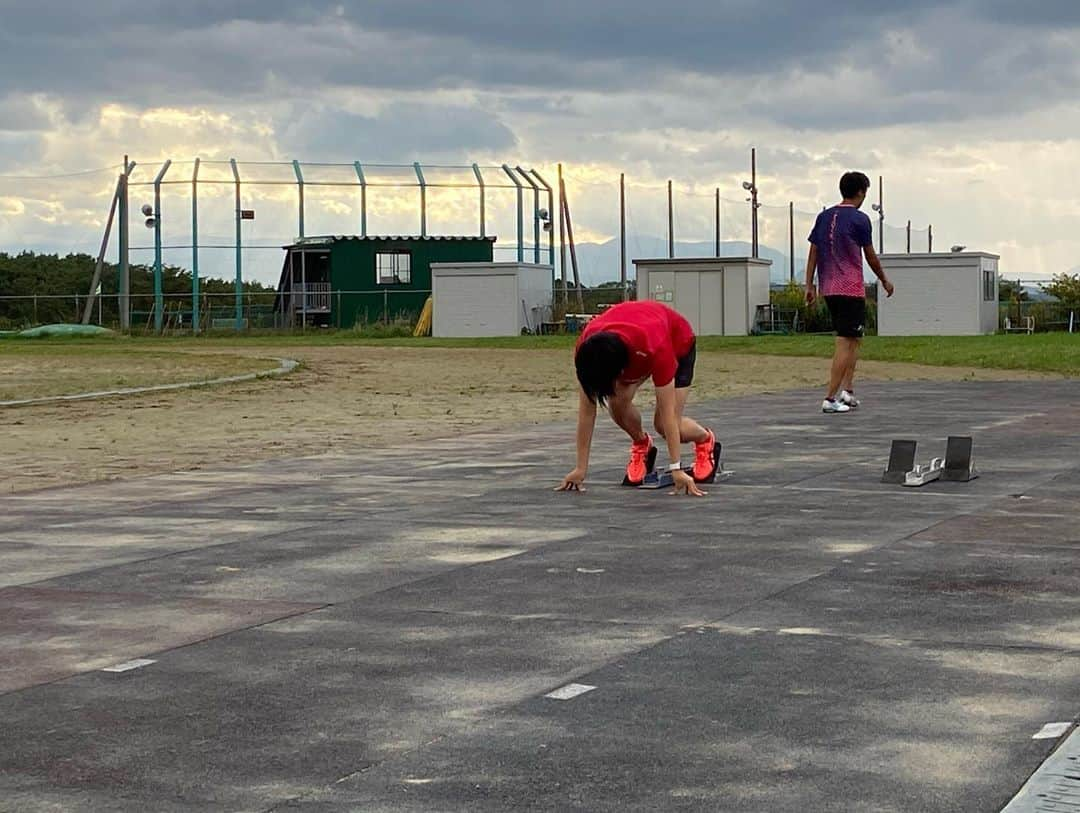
(841, 236)
(617, 352)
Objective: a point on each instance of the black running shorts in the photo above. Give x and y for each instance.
(848, 315)
(684, 373)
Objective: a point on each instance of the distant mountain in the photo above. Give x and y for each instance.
(599, 262)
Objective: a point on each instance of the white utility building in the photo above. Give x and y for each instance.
(719, 296)
(489, 299)
(953, 294)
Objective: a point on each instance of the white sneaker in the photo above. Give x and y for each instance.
(834, 406)
(848, 399)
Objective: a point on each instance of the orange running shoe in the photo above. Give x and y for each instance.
(706, 459)
(642, 461)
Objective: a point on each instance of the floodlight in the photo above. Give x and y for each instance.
(147, 209)
(957, 249)
(747, 186)
(543, 214)
(151, 222)
(877, 207)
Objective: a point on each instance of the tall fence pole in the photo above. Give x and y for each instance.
(423, 198)
(622, 236)
(520, 213)
(299, 195)
(550, 230)
(195, 316)
(791, 240)
(483, 199)
(363, 197)
(670, 222)
(930, 239)
(239, 253)
(536, 212)
(717, 218)
(123, 240)
(159, 300)
(909, 237)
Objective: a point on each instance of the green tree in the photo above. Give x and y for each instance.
(1066, 287)
(1010, 291)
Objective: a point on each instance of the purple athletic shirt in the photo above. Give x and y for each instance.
(840, 234)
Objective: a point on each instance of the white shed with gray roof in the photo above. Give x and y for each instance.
(942, 294)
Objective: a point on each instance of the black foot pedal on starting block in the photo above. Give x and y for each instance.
(650, 465)
(959, 467)
(901, 461)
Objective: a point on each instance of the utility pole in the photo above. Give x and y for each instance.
(717, 213)
(562, 237)
(622, 235)
(670, 222)
(754, 200)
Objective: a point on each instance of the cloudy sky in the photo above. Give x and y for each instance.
(967, 108)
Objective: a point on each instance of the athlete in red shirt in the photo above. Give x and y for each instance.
(617, 351)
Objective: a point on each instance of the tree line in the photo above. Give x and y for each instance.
(29, 274)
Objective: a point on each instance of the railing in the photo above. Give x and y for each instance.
(314, 296)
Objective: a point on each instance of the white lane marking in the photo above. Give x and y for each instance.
(1051, 731)
(1009, 421)
(569, 691)
(590, 571)
(127, 666)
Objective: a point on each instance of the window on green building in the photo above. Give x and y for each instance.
(393, 267)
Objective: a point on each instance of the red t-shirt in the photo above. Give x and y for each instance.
(656, 336)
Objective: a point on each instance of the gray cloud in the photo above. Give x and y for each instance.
(400, 133)
(858, 64)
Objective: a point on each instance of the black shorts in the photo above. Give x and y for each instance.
(684, 373)
(848, 315)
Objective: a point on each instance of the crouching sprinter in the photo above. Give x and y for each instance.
(616, 352)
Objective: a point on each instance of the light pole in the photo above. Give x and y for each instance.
(879, 207)
(751, 187)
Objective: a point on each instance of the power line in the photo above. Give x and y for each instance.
(114, 167)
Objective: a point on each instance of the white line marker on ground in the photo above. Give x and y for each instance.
(127, 666)
(1051, 731)
(569, 691)
(592, 571)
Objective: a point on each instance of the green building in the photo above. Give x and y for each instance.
(344, 280)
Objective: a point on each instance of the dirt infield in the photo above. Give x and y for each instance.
(345, 399)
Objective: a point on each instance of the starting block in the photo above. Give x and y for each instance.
(956, 467)
(959, 466)
(663, 479)
(901, 461)
(921, 475)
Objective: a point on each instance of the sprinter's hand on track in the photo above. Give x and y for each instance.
(684, 484)
(574, 481)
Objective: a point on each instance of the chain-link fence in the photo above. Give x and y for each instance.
(229, 221)
(253, 310)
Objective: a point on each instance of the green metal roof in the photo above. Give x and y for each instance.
(385, 238)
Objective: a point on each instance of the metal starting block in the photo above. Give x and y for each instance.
(921, 475)
(957, 466)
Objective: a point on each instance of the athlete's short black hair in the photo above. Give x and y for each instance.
(599, 360)
(852, 183)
